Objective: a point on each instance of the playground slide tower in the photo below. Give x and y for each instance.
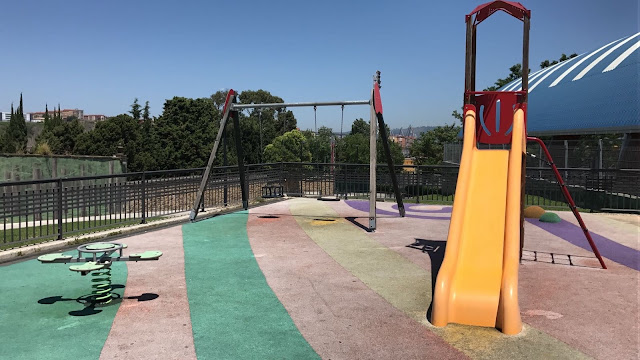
(478, 281)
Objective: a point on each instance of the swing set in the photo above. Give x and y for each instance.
(232, 109)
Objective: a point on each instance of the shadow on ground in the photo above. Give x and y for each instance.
(352, 219)
(435, 250)
(91, 307)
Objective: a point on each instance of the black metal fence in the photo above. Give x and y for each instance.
(35, 211)
(591, 189)
(575, 154)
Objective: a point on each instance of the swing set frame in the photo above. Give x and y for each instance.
(376, 124)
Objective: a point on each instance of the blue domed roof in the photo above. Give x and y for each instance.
(594, 92)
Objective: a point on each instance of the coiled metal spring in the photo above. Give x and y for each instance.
(101, 285)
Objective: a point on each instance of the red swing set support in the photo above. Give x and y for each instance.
(568, 198)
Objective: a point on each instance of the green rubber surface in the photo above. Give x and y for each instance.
(234, 312)
(32, 330)
(88, 266)
(52, 257)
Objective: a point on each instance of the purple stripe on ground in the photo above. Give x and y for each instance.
(572, 233)
(412, 207)
(565, 230)
(364, 206)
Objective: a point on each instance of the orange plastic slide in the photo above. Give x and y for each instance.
(478, 280)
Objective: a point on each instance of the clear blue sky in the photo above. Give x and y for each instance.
(99, 55)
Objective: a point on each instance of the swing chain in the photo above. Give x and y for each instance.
(315, 121)
(341, 121)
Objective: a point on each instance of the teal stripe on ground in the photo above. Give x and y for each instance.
(234, 312)
(30, 330)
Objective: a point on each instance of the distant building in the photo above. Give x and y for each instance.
(94, 117)
(404, 141)
(65, 114)
(6, 116)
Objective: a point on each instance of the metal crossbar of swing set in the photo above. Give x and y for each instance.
(300, 104)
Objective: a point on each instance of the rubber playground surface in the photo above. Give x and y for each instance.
(302, 279)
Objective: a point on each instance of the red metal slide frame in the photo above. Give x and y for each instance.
(569, 199)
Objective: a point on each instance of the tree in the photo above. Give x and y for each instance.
(147, 146)
(396, 152)
(354, 148)
(547, 63)
(62, 138)
(185, 132)
(260, 126)
(108, 135)
(360, 126)
(57, 136)
(286, 121)
(564, 57)
(457, 115)
(428, 148)
(47, 119)
(145, 112)
(319, 144)
(15, 138)
(135, 109)
(283, 120)
(57, 117)
(7, 145)
(219, 98)
(288, 147)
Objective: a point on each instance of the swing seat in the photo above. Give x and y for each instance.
(328, 198)
(147, 255)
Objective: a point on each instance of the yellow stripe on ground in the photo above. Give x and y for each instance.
(407, 287)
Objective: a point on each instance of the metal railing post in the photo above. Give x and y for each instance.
(600, 174)
(346, 187)
(144, 199)
(225, 163)
(566, 157)
(416, 185)
(60, 209)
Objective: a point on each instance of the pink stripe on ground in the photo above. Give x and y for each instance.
(158, 328)
(336, 313)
